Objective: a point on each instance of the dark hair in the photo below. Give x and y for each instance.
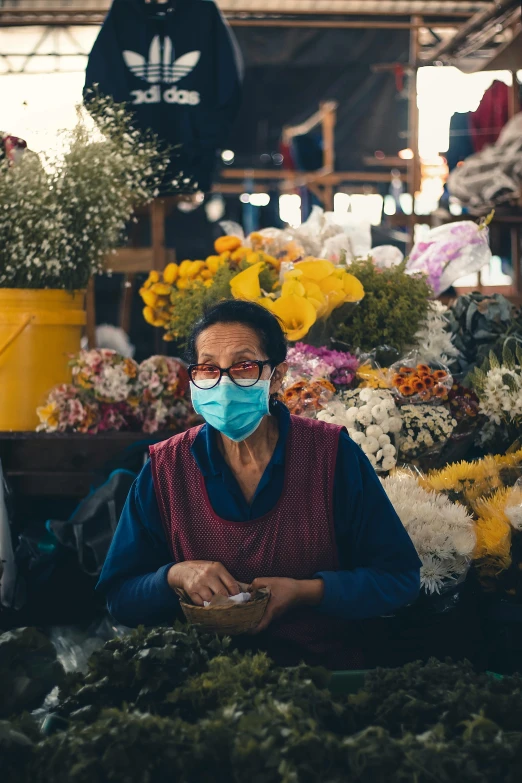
(237, 311)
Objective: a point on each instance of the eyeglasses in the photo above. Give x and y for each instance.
(206, 376)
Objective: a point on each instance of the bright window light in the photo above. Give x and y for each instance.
(245, 198)
(390, 207)
(405, 201)
(227, 156)
(341, 202)
(367, 207)
(290, 209)
(260, 199)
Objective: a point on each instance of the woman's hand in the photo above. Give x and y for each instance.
(202, 579)
(286, 594)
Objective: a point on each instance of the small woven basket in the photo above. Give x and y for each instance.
(226, 619)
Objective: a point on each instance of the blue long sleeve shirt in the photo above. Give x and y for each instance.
(379, 567)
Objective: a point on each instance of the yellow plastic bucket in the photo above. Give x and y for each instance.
(39, 331)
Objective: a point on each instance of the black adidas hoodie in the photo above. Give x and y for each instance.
(178, 67)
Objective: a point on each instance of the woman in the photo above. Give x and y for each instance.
(258, 496)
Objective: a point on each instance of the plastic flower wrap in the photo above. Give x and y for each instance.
(415, 380)
(449, 252)
(304, 361)
(426, 430)
(498, 385)
(66, 410)
(372, 421)
(306, 398)
(109, 376)
(442, 532)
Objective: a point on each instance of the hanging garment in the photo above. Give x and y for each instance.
(178, 68)
(490, 117)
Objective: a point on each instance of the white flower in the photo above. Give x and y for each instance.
(374, 431)
(395, 424)
(384, 440)
(357, 437)
(366, 395)
(388, 463)
(371, 445)
(434, 574)
(389, 450)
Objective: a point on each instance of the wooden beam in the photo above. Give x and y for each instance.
(129, 260)
(329, 178)
(291, 131)
(389, 162)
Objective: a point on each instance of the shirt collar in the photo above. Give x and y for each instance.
(208, 457)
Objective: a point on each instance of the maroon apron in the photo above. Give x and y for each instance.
(295, 539)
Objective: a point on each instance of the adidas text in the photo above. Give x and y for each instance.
(172, 95)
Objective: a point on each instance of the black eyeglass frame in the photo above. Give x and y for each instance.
(226, 371)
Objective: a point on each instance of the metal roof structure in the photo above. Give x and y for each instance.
(449, 30)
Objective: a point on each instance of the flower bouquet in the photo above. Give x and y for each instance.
(307, 295)
(372, 420)
(442, 532)
(308, 361)
(112, 393)
(306, 398)
(416, 381)
(426, 430)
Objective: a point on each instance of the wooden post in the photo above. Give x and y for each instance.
(414, 170)
(513, 96)
(157, 227)
(328, 128)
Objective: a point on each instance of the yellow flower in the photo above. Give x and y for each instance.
(148, 297)
(129, 368)
(48, 414)
(353, 288)
(315, 268)
(245, 285)
(208, 283)
(333, 287)
(185, 268)
(251, 257)
(314, 294)
(152, 317)
(238, 255)
(296, 313)
(183, 282)
(152, 278)
(213, 263)
(168, 337)
(170, 274)
(292, 286)
(205, 274)
(161, 289)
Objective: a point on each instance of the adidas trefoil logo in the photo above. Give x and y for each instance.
(160, 69)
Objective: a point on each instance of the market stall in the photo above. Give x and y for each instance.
(429, 395)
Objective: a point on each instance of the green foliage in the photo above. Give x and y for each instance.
(481, 324)
(393, 308)
(174, 705)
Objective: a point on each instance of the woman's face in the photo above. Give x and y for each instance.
(227, 344)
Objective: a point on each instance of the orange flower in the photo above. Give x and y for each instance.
(406, 370)
(440, 391)
(418, 385)
(425, 395)
(227, 244)
(429, 383)
(423, 368)
(398, 378)
(406, 389)
(440, 375)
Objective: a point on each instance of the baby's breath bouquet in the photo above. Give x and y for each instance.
(60, 217)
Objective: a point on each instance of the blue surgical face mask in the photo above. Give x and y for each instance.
(236, 411)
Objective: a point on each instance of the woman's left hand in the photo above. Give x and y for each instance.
(285, 594)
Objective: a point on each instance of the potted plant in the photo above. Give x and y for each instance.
(59, 218)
